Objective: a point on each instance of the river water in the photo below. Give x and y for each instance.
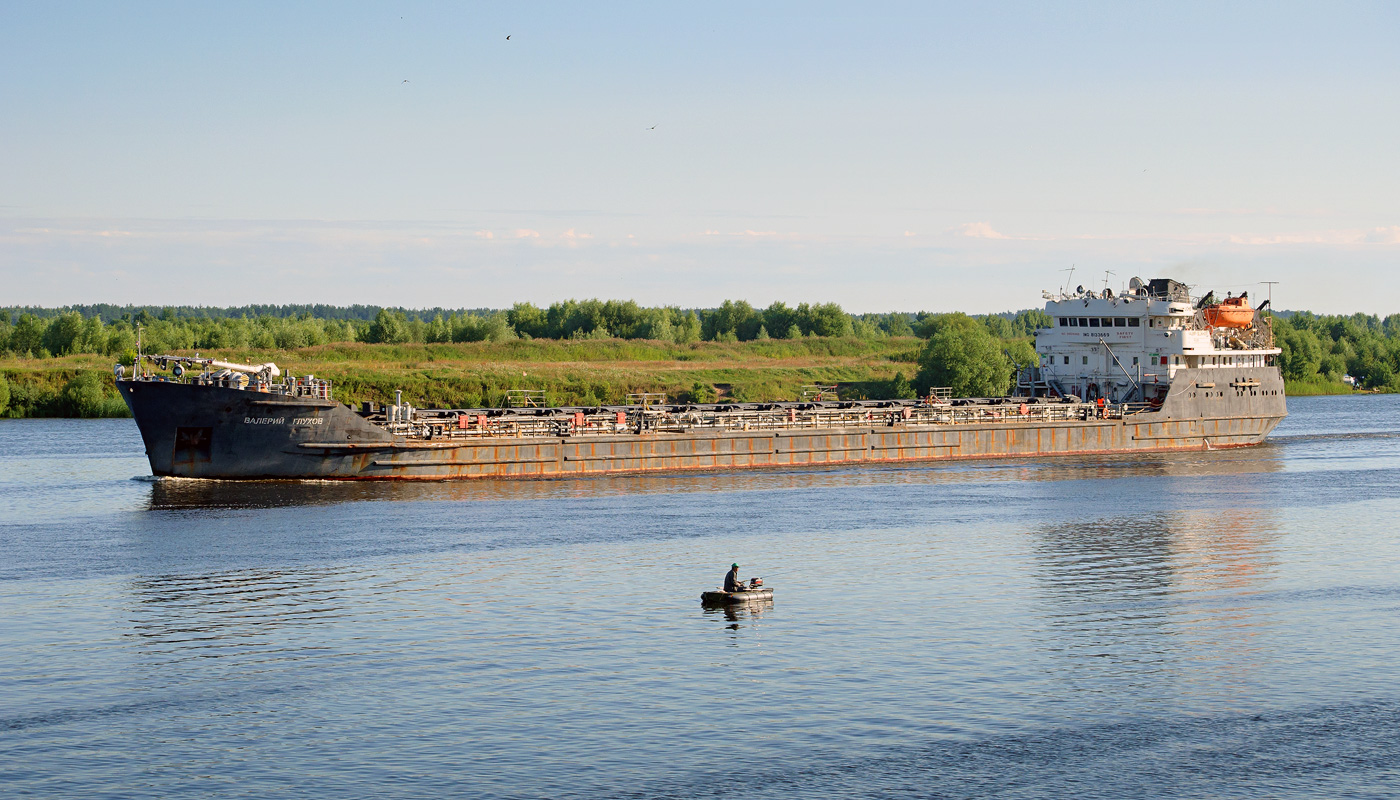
(1212, 624)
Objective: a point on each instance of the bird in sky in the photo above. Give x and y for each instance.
(405, 80)
(507, 38)
(652, 128)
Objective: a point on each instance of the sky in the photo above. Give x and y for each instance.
(888, 156)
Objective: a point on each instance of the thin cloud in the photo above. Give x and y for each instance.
(1389, 234)
(981, 230)
(1386, 235)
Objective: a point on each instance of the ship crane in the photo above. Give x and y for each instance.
(266, 371)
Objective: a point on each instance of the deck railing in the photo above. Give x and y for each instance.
(791, 418)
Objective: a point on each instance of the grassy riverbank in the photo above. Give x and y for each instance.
(1317, 387)
(480, 373)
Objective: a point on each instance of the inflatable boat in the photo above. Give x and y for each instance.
(722, 598)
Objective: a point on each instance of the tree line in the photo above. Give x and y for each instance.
(1322, 349)
(974, 356)
(45, 333)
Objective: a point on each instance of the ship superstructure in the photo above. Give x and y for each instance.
(1140, 371)
(1140, 345)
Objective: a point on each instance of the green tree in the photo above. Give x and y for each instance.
(963, 356)
(1332, 367)
(28, 336)
(688, 328)
(1021, 353)
(824, 319)
(862, 329)
(778, 317)
(732, 321)
(901, 388)
(897, 325)
(527, 320)
(656, 325)
(388, 328)
(1027, 322)
(64, 333)
(1301, 351)
(4, 394)
(439, 331)
(85, 396)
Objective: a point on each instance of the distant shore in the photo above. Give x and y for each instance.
(478, 374)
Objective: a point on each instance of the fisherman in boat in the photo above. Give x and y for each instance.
(731, 580)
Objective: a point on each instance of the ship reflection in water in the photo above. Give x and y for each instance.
(1169, 598)
(182, 493)
(264, 614)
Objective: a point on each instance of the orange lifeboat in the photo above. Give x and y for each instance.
(1233, 312)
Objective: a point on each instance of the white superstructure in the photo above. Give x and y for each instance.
(1128, 347)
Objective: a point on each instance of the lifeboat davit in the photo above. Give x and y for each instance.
(1233, 312)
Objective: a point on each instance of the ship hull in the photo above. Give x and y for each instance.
(223, 433)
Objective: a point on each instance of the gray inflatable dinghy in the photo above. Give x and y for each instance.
(720, 598)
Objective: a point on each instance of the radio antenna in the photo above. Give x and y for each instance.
(1106, 273)
(1068, 279)
(1270, 284)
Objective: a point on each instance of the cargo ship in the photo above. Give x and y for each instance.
(1149, 369)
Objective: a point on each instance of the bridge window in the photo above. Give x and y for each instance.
(1093, 322)
(1083, 322)
(1066, 360)
(1132, 322)
(1120, 322)
(1086, 360)
(1064, 322)
(1107, 322)
(1135, 361)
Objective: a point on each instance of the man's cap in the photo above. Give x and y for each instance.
(733, 565)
